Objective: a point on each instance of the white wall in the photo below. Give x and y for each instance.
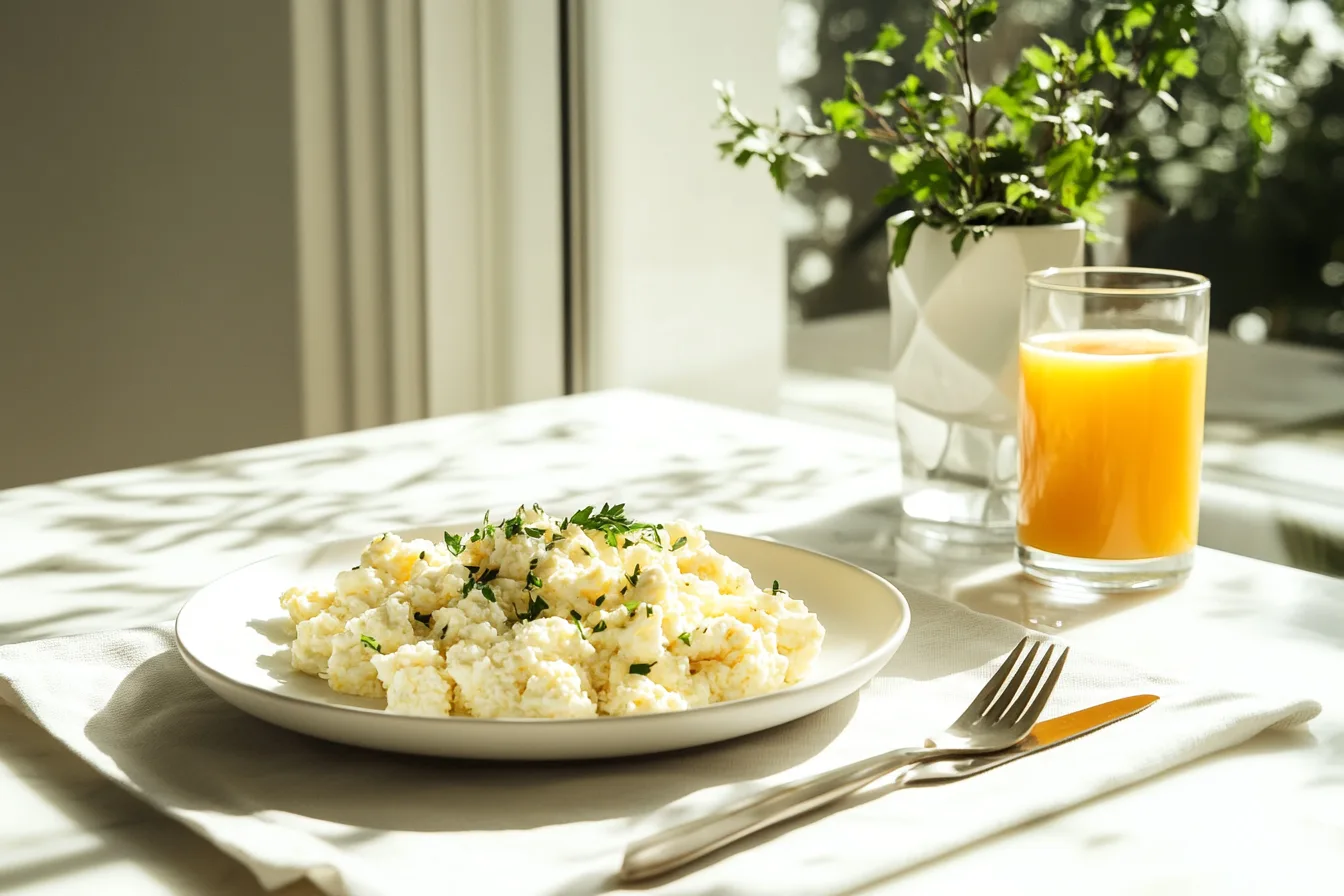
(147, 234)
(684, 253)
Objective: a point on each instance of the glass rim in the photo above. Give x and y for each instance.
(1043, 279)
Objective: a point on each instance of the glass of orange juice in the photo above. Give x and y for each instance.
(1110, 426)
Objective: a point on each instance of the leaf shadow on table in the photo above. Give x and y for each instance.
(175, 739)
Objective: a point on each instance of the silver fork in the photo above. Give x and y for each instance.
(998, 718)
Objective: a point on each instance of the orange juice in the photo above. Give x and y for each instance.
(1112, 422)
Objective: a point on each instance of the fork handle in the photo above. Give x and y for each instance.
(674, 847)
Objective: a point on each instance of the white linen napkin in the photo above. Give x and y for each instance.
(367, 823)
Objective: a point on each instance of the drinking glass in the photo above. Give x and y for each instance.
(1111, 425)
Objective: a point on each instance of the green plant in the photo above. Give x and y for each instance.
(1043, 145)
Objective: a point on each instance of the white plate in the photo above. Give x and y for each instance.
(234, 636)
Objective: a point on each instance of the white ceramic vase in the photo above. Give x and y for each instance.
(954, 366)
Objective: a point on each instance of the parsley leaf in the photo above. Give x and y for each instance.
(685, 638)
(487, 593)
(574, 614)
(585, 550)
(634, 576)
(641, 668)
(774, 589)
(424, 618)
(534, 532)
(600, 627)
(631, 606)
(628, 544)
(487, 575)
(453, 542)
(648, 609)
(679, 543)
(533, 581)
(535, 607)
(600, 600)
(368, 642)
(422, 555)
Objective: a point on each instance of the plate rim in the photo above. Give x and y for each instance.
(884, 651)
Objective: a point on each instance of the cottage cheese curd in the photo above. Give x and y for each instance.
(552, 618)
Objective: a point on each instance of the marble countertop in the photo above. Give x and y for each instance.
(126, 548)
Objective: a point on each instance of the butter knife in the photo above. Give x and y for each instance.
(1043, 736)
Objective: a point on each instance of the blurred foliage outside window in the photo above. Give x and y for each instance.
(1276, 259)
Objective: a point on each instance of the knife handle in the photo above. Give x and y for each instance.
(670, 849)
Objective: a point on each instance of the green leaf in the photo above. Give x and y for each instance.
(679, 543)
(1039, 59)
(631, 606)
(900, 245)
(889, 37)
(453, 542)
(844, 115)
(600, 627)
(1183, 61)
(1140, 15)
(903, 159)
(1015, 191)
(1260, 124)
(685, 638)
(423, 618)
(487, 593)
(957, 239)
(986, 210)
(641, 668)
(1059, 50)
(369, 642)
(981, 17)
(933, 55)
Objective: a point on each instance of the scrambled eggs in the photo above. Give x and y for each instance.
(540, 617)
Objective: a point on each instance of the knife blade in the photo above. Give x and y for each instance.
(1043, 736)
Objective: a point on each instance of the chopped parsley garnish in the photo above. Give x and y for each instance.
(685, 638)
(356, 567)
(574, 614)
(487, 593)
(533, 581)
(534, 532)
(648, 609)
(610, 521)
(774, 589)
(487, 575)
(628, 544)
(641, 668)
(453, 543)
(533, 564)
(368, 642)
(634, 576)
(679, 543)
(631, 606)
(513, 526)
(601, 599)
(579, 625)
(422, 555)
(535, 607)
(585, 550)
(467, 585)
(600, 627)
(424, 618)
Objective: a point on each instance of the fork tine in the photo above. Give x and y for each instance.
(1038, 705)
(995, 712)
(1024, 697)
(986, 695)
